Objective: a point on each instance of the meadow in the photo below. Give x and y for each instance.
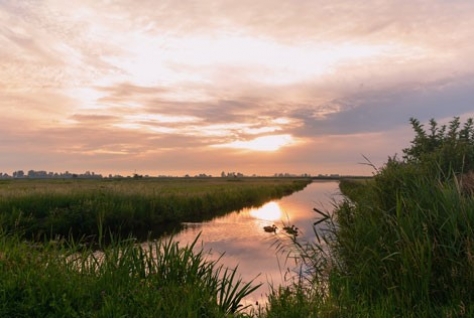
(68, 248)
(87, 210)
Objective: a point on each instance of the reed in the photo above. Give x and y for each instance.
(400, 245)
(160, 279)
(84, 208)
(413, 259)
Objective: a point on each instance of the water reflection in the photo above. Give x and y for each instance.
(270, 211)
(244, 242)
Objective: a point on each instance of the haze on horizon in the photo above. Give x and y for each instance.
(260, 87)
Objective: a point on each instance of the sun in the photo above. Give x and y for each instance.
(267, 143)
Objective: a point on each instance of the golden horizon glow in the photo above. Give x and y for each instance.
(267, 143)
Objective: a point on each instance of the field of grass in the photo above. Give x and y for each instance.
(88, 209)
(40, 277)
(399, 245)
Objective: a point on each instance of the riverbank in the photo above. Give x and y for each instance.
(124, 280)
(398, 245)
(240, 235)
(92, 209)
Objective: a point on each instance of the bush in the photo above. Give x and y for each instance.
(443, 151)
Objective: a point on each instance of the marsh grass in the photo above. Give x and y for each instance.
(124, 280)
(82, 209)
(399, 245)
(306, 290)
(417, 256)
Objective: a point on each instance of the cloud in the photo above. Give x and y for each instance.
(266, 143)
(103, 83)
(93, 119)
(381, 110)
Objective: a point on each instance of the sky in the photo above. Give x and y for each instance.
(166, 87)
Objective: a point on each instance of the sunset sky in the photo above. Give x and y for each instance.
(254, 86)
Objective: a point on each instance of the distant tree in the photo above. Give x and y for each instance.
(18, 174)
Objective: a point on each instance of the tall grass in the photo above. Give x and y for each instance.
(400, 245)
(83, 208)
(125, 280)
(306, 292)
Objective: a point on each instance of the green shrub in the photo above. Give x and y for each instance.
(443, 151)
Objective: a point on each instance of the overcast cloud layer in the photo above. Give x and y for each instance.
(176, 87)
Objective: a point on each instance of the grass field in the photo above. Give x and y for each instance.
(88, 209)
(40, 277)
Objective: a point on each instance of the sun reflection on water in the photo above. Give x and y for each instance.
(270, 211)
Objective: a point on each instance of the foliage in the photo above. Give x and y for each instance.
(442, 149)
(160, 279)
(400, 244)
(416, 257)
(403, 243)
(295, 301)
(393, 179)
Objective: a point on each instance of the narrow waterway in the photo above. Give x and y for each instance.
(241, 236)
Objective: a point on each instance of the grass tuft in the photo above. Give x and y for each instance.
(160, 279)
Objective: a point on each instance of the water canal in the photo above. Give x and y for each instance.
(241, 235)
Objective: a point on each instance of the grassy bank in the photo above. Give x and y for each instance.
(400, 244)
(414, 258)
(91, 208)
(124, 280)
(408, 252)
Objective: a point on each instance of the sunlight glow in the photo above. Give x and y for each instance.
(168, 59)
(161, 118)
(88, 98)
(270, 211)
(263, 143)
